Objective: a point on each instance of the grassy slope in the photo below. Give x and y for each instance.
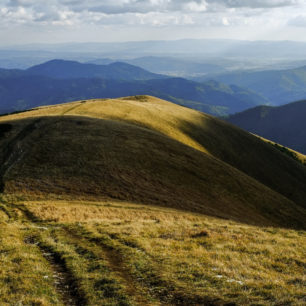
(119, 253)
(106, 159)
(294, 154)
(112, 158)
(199, 131)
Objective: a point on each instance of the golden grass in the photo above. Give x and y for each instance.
(25, 277)
(3, 217)
(199, 131)
(89, 158)
(149, 112)
(190, 255)
(117, 252)
(110, 211)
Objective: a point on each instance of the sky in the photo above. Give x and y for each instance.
(58, 21)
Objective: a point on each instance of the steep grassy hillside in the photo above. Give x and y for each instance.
(285, 124)
(146, 150)
(301, 158)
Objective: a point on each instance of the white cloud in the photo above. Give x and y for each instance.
(256, 3)
(298, 21)
(194, 6)
(202, 15)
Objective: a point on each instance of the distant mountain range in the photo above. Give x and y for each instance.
(61, 69)
(278, 86)
(62, 81)
(187, 57)
(285, 125)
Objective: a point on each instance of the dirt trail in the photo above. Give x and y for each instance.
(64, 282)
(116, 264)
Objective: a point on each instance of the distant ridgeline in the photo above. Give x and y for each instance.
(277, 86)
(59, 81)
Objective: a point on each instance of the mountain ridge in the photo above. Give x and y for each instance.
(64, 69)
(197, 165)
(27, 89)
(278, 86)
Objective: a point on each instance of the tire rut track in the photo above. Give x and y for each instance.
(85, 241)
(63, 280)
(115, 264)
(169, 295)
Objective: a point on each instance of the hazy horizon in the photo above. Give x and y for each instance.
(153, 40)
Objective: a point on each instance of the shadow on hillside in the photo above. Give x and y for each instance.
(11, 150)
(93, 159)
(252, 156)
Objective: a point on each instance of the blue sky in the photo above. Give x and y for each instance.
(29, 21)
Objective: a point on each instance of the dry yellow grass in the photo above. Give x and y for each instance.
(25, 276)
(103, 190)
(192, 256)
(110, 211)
(147, 111)
(202, 132)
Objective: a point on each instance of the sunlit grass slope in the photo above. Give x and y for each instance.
(120, 253)
(200, 131)
(150, 151)
(137, 201)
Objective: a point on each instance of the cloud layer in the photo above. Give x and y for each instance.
(151, 13)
